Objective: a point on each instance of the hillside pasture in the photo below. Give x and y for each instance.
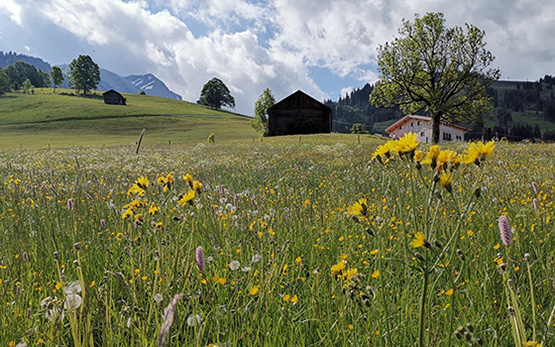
(63, 120)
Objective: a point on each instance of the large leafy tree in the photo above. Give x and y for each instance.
(442, 71)
(84, 74)
(4, 82)
(261, 106)
(215, 94)
(56, 76)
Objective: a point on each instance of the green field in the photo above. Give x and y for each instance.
(92, 255)
(45, 119)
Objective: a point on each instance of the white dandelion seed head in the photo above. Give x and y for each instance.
(256, 258)
(73, 287)
(72, 301)
(234, 265)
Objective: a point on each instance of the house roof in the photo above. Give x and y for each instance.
(409, 117)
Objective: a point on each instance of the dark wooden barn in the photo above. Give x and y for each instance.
(112, 97)
(299, 114)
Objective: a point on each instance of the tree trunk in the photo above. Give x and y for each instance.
(436, 120)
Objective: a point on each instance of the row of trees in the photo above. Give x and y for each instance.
(83, 74)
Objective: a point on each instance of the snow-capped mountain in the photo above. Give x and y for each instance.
(151, 85)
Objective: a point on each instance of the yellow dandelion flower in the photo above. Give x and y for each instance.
(128, 213)
(152, 209)
(197, 185)
(188, 178)
(407, 143)
(431, 156)
(449, 292)
(294, 299)
(445, 180)
(358, 208)
(187, 198)
(339, 267)
(384, 151)
(419, 240)
(418, 156)
(142, 182)
(376, 274)
(286, 297)
(254, 290)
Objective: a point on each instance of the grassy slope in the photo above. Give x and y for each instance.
(44, 118)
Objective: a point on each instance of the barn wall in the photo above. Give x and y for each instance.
(299, 114)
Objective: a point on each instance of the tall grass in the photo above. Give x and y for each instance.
(274, 225)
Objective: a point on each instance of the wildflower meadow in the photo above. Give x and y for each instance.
(279, 244)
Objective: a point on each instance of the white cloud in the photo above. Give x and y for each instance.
(12, 9)
(255, 44)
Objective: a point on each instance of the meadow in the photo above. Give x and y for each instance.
(305, 241)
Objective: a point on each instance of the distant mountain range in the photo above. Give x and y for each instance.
(132, 84)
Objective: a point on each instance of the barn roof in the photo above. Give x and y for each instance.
(299, 94)
(112, 91)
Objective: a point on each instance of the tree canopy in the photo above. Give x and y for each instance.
(4, 82)
(215, 94)
(442, 71)
(56, 76)
(21, 71)
(84, 74)
(264, 102)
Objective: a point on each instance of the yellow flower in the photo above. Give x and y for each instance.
(432, 155)
(418, 156)
(294, 299)
(531, 344)
(152, 209)
(407, 143)
(384, 151)
(449, 292)
(187, 198)
(339, 267)
(142, 182)
(254, 290)
(358, 208)
(445, 180)
(128, 213)
(376, 274)
(478, 152)
(286, 297)
(419, 240)
(197, 185)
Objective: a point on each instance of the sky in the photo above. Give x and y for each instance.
(323, 47)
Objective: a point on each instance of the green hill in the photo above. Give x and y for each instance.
(60, 120)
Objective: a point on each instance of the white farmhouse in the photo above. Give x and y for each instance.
(422, 126)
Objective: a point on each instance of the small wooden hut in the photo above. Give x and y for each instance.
(299, 113)
(112, 97)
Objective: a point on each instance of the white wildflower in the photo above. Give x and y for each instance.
(234, 265)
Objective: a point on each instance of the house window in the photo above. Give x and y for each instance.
(418, 123)
(411, 124)
(401, 127)
(423, 133)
